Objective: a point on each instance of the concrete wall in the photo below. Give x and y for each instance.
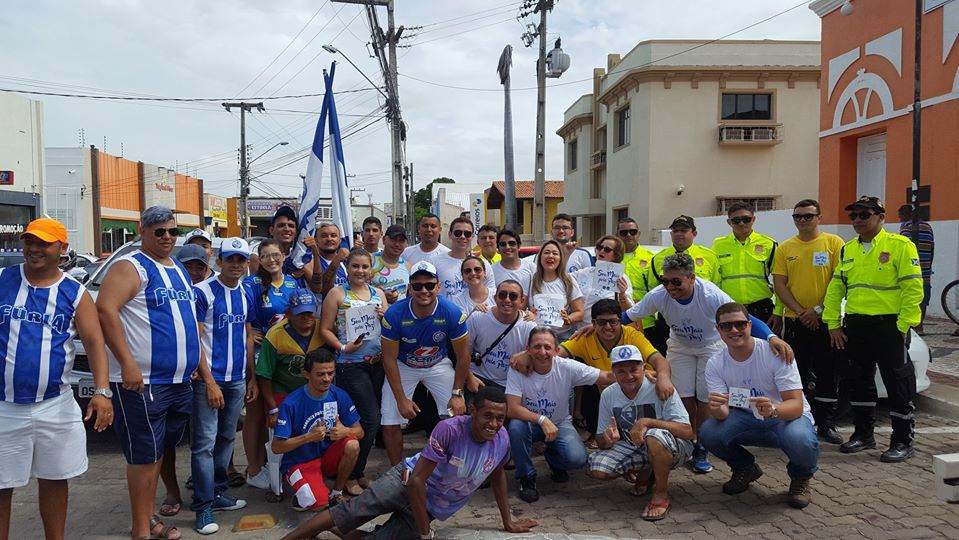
(69, 194)
(21, 142)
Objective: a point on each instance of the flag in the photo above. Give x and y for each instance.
(342, 209)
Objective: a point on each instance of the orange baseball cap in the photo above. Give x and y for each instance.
(46, 229)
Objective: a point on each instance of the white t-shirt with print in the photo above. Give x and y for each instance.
(414, 254)
(584, 278)
(548, 394)
(484, 329)
(448, 271)
(554, 288)
(523, 274)
(468, 306)
(692, 323)
(614, 403)
(762, 374)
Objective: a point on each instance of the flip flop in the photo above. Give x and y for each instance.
(653, 506)
(170, 508)
(165, 533)
(353, 488)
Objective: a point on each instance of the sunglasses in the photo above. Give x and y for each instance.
(606, 322)
(475, 270)
(503, 295)
(728, 326)
(804, 217)
(272, 257)
(628, 232)
(172, 231)
(853, 216)
(604, 248)
(675, 282)
(738, 220)
(462, 234)
(508, 243)
(420, 286)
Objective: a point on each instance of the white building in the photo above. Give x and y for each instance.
(68, 195)
(21, 166)
(674, 129)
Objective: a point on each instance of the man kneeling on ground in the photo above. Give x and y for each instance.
(637, 431)
(461, 454)
(757, 400)
(318, 432)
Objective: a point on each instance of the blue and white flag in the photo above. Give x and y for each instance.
(310, 199)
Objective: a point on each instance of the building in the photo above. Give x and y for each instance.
(687, 126)
(260, 211)
(21, 166)
(866, 114)
(496, 206)
(215, 214)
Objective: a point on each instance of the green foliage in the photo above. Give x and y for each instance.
(423, 199)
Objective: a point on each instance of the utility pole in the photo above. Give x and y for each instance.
(539, 177)
(410, 200)
(244, 169)
(509, 177)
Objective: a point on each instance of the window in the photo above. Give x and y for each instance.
(622, 127)
(759, 203)
(747, 107)
(620, 213)
(573, 153)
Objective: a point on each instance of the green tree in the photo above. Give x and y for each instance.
(423, 199)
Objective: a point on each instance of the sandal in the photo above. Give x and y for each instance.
(236, 479)
(170, 508)
(642, 482)
(165, 532)
(353, 488)
(655, 506)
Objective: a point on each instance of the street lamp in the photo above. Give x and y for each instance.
(334, 50)
(281, 143)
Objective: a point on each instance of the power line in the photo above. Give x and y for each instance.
(165, 99)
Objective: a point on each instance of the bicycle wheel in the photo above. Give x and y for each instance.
(950, 301)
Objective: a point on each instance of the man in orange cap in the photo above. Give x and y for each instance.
(41, 312)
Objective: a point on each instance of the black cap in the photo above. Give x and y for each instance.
(396, 230)
(869, 203)
(683, 222)
(284, 211)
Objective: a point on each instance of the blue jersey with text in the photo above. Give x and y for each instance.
(423, 342)
(223, 312)
(301, 411)
(36, 336)
(269, 302)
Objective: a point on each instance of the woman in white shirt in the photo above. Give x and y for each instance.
(551, 281)
(610, 249)
(477, 296)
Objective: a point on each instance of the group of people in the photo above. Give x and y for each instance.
(630, 364)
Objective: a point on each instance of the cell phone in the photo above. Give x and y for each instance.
(359, 339)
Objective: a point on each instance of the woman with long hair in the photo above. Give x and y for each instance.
(610, 249)
(551, 280)
(476, 296)
(358, 368)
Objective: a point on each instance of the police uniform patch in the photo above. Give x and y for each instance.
(699, 262)
(759, 249)
(884, 257)
(642, 264)
(915, 262)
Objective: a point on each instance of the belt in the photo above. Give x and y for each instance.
(873, 318)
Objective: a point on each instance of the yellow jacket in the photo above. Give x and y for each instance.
(639, 265)
(744, 267)
(705, 261)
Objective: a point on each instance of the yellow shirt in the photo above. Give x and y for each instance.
(808, 267)
(590, 349)
(704, 261)
(639, 266)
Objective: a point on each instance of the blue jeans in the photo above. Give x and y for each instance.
(565, 453)
(214, 431)
(364, 383)
(725, 439)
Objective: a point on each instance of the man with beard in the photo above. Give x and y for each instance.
(564, 232)
(391, 273)
(495, 336)
(328, 268)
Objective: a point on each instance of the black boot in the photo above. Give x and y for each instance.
(825, 414)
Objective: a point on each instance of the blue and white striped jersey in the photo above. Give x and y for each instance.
(36, 336)
(224, 313)
(160, 323)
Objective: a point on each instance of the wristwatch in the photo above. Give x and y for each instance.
(818, 309)
(457, 392)
(774, 413)
(105, 392)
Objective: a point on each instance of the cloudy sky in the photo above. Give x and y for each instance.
(256, 49)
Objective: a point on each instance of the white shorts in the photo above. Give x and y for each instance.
(43, 440)
(437, 379)
(688, 367)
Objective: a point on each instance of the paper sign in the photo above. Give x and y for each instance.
(739, 398)
(755, 410)
(820, 258)
(605, 275)
(329, 414)
(548, 307)
(362, 320)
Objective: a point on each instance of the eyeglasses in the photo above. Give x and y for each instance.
(628, 232)
(475, 270)
(272, 257)
(728, 326)
(429, 286)
(853, 216)
(172, 231)
(804, 217)
(562, 228)
(606, 322)
(459, 233)
(604, 248)
(675, 282)
(503, 295)
(743, 219)
(508, 243)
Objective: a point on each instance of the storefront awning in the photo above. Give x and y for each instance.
(111, 224)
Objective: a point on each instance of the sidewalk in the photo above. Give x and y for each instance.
(942, 396)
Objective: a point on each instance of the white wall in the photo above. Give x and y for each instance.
(68, 194)
(21, 142)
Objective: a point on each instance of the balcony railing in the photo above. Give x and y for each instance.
(598, 160)
(759, 135)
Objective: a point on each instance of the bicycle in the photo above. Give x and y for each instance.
(950, 300)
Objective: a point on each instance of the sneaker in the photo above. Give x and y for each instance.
(741, 479)
(205, 524)
(700, 460)
(799, 494)
(829, 434)
(559, 476)
(527, 489)
(335, 499)
(261, 480)
(224, 503)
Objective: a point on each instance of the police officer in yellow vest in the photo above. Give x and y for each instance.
(880, 278)
(638, 261)
(745, 263)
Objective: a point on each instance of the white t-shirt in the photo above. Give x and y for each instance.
(468, 306)
(578, 260)
(762, 374)
(414, 254)
(484, 329)
(614, 403)
(584, 278)
(523, 274)
(548, 394)
(451, 278)
(554, 288)
(692, 323)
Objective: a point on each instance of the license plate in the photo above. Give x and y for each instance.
(86, 388)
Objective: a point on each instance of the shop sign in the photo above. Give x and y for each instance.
(6, 178)
(259, 208)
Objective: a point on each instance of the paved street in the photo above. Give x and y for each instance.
(854, 496)
(945, 347)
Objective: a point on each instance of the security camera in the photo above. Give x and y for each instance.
(680, 189)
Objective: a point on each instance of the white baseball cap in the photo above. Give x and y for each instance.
(234, 246)
(423, 267)
(197, 233)
(625, 353)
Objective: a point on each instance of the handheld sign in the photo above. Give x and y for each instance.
(606, 274)
(329, 414)
(548, 308)
(739, 398)
(362, 321)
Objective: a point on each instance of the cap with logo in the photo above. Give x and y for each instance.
(683, 221)
(625, 353)
(422, 267)
(193, 252)
(302, 301)
(46, 229)
(396, 230)
(234, 246)
(869, 203)
(284, 211)
(197, 233)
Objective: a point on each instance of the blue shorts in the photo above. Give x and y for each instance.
(148, 423)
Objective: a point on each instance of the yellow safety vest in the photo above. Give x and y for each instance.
(704, 260)
(639, 265)
(744, 267)
(885, 281)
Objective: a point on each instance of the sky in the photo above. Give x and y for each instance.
(257, 49)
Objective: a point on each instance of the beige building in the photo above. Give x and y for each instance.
(686, 126)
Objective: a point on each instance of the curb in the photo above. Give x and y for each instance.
(940, 399)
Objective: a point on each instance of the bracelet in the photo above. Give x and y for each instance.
(542, 419)
(343, 348)
(274, 410)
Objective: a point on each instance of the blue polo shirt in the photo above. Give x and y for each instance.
(424, 342)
